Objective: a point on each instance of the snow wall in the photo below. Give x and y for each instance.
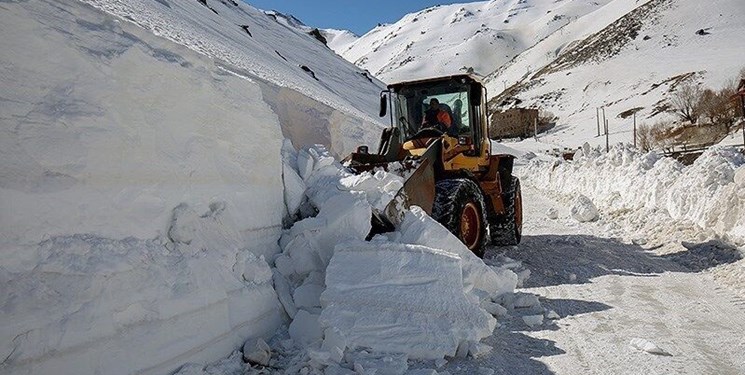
(140, 197)
(710, 193)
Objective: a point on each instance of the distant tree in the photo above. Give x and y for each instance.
(684, 101)
(719, 107)
(651, 137)
(644, 138)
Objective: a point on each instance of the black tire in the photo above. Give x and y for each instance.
(457, 200)
(507, 229)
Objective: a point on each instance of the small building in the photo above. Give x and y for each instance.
(513, 123)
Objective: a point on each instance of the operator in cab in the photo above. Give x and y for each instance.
(436, 117)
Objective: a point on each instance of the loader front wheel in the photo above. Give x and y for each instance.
(459, 207)
(507, 229)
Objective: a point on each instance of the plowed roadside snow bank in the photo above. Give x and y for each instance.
(710, 193)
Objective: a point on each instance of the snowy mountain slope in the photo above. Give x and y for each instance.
(568, 57)
(454, 38)
(633, 62)
(141, 182)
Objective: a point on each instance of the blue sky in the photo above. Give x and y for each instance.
(358, 16)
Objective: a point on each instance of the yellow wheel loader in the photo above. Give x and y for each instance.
(438, 140)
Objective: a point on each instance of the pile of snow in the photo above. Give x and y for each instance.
(140, 198)
(710, 193)
(418, 292)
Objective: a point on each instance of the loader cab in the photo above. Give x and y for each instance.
(462, 97)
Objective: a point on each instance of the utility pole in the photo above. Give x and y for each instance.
(604, 120)
(634, 129)
(607, 143)
(597, 117)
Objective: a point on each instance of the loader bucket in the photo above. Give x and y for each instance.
(418, 190)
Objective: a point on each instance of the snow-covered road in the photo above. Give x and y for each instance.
(612, 298)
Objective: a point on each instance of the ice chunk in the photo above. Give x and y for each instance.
(551, 314)
(647, 346)
(305, 328)
(552, 213)
(583, 210)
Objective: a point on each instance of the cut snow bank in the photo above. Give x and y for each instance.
(417, 291)
(709, 193)
(140, 198)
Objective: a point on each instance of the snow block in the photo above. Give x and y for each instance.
(583, 210)
(410, 291)
(305, 329)
(420, 229)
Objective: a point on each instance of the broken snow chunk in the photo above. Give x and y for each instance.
(282, 287)
(305, 328)
(294, 189)
(522, 277)
(740, 177)
(477, 350)
(552, 213)
(441, 362)
(551, 314)
(304, 164)
(334, 342)
(284, 265)
(335, 369)
(257, 352)
(648, 346)
(422, 371)
(378, 363)
(462, 351)
(308, 295)
(410, 290)
(583, 210)
(533, 320)
(251, 268)
(494, 308)
(525, 301)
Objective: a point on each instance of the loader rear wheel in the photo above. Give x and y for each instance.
(459, 207)
(507, 229)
